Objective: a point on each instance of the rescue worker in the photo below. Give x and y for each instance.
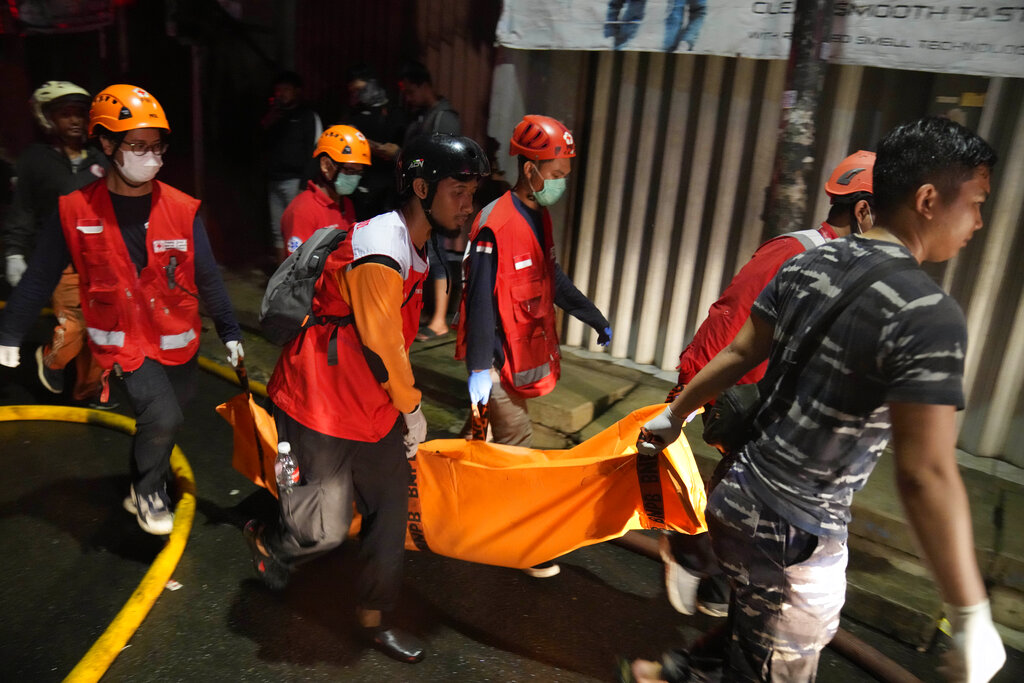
(144, 263)
(689, 560)
(45, 171)
(341, 154)
(890, 362)
(506, 330)
(344, 394)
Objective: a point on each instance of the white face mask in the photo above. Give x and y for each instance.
(140, 169)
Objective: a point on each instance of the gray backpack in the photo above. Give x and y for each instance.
(287, 307)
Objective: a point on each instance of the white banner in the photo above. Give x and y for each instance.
(984, 37)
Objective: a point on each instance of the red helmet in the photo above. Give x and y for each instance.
(852, 175)
(539, 138)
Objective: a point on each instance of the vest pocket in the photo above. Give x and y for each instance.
(99, 269)
(527, 299)
(102, 318)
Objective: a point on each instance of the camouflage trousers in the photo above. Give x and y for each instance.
(788, 586)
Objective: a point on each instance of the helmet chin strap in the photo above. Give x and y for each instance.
(435, 229)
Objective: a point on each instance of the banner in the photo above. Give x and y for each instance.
(985, 37)
(61, 16)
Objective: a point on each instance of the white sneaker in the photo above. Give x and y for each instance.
(543, 570)
(680, 584)
(152, 511)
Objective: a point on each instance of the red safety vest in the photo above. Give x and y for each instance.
(130, 317)
(311, 210)
(345, 398)
(525, 293)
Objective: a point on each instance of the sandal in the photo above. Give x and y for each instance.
(425, 334)
(271, 571)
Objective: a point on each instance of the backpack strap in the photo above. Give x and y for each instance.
(339, 322)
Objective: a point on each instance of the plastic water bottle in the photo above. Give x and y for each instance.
(286, 469)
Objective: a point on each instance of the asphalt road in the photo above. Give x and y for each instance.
(74, 556)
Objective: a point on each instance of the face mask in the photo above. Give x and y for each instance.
(345, 184)
(140, 169)
(550, 192)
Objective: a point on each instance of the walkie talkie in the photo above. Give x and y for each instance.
(171, 267)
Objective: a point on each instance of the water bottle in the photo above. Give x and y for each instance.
(286, 469)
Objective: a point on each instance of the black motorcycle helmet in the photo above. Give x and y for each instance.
(436, 157)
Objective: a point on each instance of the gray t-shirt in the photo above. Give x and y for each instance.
(902, 340)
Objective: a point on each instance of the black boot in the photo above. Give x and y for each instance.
(396, 643)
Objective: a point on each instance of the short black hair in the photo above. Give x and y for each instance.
(360, 71)
(101, 131)
(522, 160)
(932, 150)
(415, 73)
(288, 78)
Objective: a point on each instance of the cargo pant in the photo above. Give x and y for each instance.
(788, 586)
(68, 342)
(316, 515)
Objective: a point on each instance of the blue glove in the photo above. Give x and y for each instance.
(480, 384)
(604, 338)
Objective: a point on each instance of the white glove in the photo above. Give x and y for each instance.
(658, 433)
(16, 267)
(235, 352)
(415, 431)
(10, 356)
(977, 652)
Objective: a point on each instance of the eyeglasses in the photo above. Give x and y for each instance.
(348, 168)
(141, 148)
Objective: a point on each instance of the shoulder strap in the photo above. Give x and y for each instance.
(796, 360)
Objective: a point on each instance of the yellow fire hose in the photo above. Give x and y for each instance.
(215, 368)
(103, 652)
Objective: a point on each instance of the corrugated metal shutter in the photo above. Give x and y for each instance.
(678, 151)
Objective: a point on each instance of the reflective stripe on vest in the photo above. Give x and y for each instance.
(106, 337)
(169, 342)
(524, 377)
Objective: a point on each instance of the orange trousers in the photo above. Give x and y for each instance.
(69, 342)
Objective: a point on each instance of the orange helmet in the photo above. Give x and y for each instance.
(539, 138)
(120, 108)
(344, 144)
(852, 175)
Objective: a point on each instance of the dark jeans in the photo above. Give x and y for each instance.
(676, 30)
(158, 394)
(316, 515)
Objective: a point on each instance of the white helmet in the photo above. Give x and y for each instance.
(49, 93)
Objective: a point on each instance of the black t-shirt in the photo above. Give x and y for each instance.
(133, 219)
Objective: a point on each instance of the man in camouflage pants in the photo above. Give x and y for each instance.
(891, 362)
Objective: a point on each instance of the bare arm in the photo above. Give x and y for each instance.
(748, 349)
(933, 495)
